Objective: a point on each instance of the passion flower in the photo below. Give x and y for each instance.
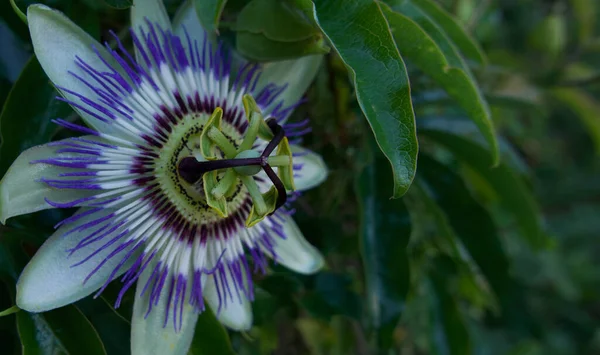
(181, 175)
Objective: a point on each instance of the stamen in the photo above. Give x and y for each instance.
(242, 164)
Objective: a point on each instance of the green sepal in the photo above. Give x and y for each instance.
(286, 173)
(251, 107)
(270, 198)
(218, 204)
(9, 311)
(206, 144)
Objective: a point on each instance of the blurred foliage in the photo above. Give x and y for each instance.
(474, 259)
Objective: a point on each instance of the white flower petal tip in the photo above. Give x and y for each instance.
(144, 12)
(186, 20)
(295, 253)
(311, 171)
(58, 43)
(297, 74)
(21, 191)
(149, 10)
(151, 332)
(237, 318)
(233, 312)
(53, 278)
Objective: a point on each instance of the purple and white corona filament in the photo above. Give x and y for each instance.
(139, 218)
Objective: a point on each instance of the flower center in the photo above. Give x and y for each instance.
(189, 196)
(207, 166)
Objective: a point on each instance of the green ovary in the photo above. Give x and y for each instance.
(183, 142)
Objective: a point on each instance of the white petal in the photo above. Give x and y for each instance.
(49, 281)
(20, 191)
(298, 74)
(151, 10)
(234, 314)
(150, 335)
(295, 252)
(56, 43)
(186, 18)
(313, 171)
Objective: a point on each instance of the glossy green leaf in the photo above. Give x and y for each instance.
(586, 15)
(210, 336)
(467, 219)
(64, 330)
(259, 48)
(113, 329)
(511, 191)
(417, 45)
(359, 32)
(209, 13)
(25, 120)
(33, 327)
(332, 295)
(467, 45)
(449, 331)
(421, 203)
(276, 20)
(467, 129)
(550, 35)
(584, 106)
(464, 10)
(13, 52)
(474, 227)
(12, 257)
(385, 230)
(119, 4)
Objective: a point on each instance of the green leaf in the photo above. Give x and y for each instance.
(119, 4)
(25, 120)
(475, 229)
(276, 20)
(550, 35)
(359, 32)
(417, 45)
(448, 24)
(209, 12)
(113, 329)
(210, 336)
(259, 48)
(12, 257)
(449, 332)
(13, 52)
(462, 217)
(385, 230)
(584, 106)
(63, 330)
(421, 203)
(465, 128)
(585, 15)
(332, 295)
(36, 336)
(512, 193)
